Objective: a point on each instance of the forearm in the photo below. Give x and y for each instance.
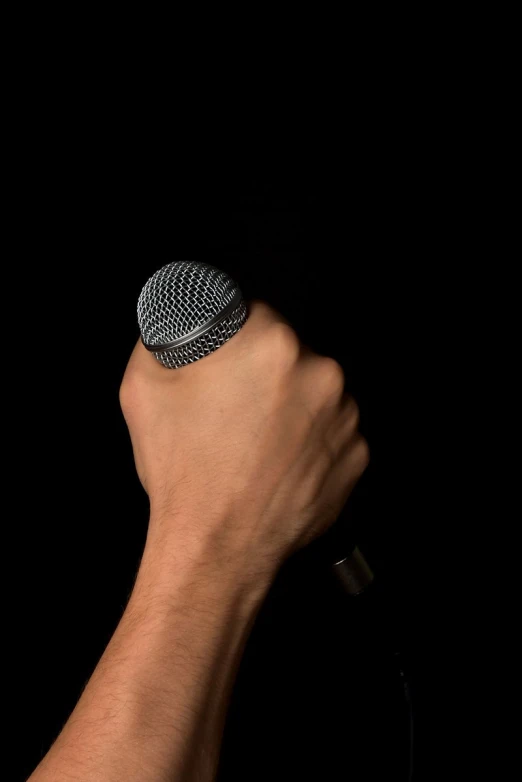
(156, 704)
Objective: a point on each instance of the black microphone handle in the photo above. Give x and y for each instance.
(337, 549)
(353, 572)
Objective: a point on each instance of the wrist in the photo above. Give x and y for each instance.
(176, 563)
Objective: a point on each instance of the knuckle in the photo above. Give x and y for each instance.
(283, 342)
(332, 375)
(261, 310)
(353, 414)
(362, 453)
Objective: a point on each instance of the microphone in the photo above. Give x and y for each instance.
(188, 310)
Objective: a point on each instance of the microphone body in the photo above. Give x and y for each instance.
(188, 310)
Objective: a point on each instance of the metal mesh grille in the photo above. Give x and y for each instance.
(208, 343)
(181, 297)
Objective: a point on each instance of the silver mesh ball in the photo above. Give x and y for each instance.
(190, 303)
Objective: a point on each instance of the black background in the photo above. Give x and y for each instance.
(352, 259)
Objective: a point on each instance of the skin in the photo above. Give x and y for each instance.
(246, 456)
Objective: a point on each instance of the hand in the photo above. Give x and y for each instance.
(251, 451)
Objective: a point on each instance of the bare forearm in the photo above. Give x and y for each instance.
(155, 706)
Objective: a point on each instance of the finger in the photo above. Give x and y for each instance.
(338, 486)
(344, 424)
(352, 461)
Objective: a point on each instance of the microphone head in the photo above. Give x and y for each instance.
(187, 310)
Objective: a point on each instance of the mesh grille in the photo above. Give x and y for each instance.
(181, 297)
(208, 343)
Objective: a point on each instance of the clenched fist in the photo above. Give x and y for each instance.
(247, 454)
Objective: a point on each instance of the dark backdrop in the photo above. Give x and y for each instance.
(353, 265)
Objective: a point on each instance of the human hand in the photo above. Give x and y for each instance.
(249, 453)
